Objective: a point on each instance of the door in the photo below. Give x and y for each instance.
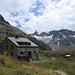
(29, 54)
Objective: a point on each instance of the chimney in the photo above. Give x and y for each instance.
(16, 36)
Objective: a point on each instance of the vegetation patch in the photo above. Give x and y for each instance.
(57, 61)
(16, 67)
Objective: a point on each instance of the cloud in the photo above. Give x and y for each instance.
(40, 15)
(37, 8)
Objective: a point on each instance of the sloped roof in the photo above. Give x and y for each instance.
(15, 40)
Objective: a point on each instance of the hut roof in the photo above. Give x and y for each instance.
(22, 42)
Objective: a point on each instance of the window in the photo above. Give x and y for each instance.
(6, 41)
(34, 51)
(21, 52)
(6, 47)
(12, 54)
(2, 48)
(11, 46)
(25, 52)
(24, 43)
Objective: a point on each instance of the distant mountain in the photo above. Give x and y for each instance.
(58, 39)
(8, 30)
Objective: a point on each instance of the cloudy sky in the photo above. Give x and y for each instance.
(40, 15)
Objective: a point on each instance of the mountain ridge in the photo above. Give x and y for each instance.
(2, 20)
(63, 39)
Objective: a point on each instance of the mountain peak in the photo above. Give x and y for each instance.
(63, 39)
(35, 33)
(2, 20)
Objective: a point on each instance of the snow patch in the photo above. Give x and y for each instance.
(37, 37)
(50, 37)
(64, 36)
(58, 43)
(71, 43)
(45, 39)
(72, 35)
(58, 39)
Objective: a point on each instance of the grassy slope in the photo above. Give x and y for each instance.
(59, 63)
(43, 67)
(15, 67)
(66, 66)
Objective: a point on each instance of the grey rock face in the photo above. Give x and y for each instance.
(2, 20)
(59, 40)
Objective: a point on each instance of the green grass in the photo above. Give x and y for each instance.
(43, 67)
(58, 64)
(16, 67)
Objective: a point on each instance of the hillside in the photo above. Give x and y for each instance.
(15, 67)
(59, 40)
(56, 60)
(42, 67)
(8, 30)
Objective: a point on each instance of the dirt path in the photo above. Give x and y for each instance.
(60, 72)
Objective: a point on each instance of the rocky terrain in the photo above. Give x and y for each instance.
(58, 39)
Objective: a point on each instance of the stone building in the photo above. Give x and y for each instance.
(20, 48)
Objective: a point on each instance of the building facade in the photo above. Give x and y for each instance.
(20, 48)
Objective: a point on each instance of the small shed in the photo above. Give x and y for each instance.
(20, 48)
